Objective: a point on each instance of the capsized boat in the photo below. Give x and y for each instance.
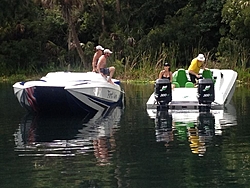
(69, 92)
(214, 90)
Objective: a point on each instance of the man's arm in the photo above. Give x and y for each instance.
(94, 63)
(193, 73)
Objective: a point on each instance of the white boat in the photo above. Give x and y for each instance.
(214, 91)
(69, 92)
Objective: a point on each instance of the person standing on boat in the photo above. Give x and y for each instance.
(98, 52)
(101, 65)
(195, 66)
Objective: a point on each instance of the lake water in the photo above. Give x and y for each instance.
(126, 148)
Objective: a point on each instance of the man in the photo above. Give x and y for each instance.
(96, 56)
(101, 65)
(195, 66)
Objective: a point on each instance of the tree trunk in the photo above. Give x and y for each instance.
(118, 6)
(101, 7)
(78, 46)
(76, 41)
(69, 40)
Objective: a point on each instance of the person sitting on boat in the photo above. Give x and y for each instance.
(195, 66)
(101, 65)
(98, 52)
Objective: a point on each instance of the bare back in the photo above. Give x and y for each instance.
(96, 57)
(101, 63)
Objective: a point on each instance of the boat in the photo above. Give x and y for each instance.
(213, 91)
(69, 93)
(192, 127)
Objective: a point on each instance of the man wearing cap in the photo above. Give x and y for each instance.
(195, 66)
(96, 56)
(101, 65)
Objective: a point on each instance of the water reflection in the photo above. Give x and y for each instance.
(68, 136)
(191, 126)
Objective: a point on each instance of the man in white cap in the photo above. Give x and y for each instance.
(195, 66)
(97, 55)
(101, 65)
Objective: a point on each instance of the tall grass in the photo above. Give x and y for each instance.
(144, 66)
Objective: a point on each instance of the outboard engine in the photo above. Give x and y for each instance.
(206, 93)
(163, 91)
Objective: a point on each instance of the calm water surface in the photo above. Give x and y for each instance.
(128, 148)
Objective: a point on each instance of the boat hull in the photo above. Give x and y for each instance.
(57, 100)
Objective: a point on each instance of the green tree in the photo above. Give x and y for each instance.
(234, 46)
(71, 10)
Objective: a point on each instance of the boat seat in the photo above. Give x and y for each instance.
(207, 74)
(176, 84)
(189, 84)
(181, 78)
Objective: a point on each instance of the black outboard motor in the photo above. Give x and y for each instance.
(206, 93)
(163, 91)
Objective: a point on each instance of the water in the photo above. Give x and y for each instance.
(128, 148)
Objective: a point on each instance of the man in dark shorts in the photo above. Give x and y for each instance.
(101, 65)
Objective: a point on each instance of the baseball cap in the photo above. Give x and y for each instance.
(107, 51)
(99, 47)
(166, 65)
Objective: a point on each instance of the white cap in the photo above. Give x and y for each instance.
(99, 47)
(107, 51)
(200, 57)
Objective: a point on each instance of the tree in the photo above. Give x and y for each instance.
(70, 10)
(236, 14)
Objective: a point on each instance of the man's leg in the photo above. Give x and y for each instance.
(192, 78)
(111, 73)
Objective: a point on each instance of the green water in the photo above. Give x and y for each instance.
(126, 149)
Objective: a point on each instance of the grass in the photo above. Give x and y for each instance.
(140, 69)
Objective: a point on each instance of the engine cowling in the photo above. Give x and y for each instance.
(163, 91)
(206, 91)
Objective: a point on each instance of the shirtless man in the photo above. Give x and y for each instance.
(96, 56)
(101, 65)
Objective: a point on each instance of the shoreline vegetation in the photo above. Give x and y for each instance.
(41, 36)
(145, 75)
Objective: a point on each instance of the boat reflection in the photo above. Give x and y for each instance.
(68, 136)
(191, 126)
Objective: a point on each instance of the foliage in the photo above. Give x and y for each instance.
(35, 35)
